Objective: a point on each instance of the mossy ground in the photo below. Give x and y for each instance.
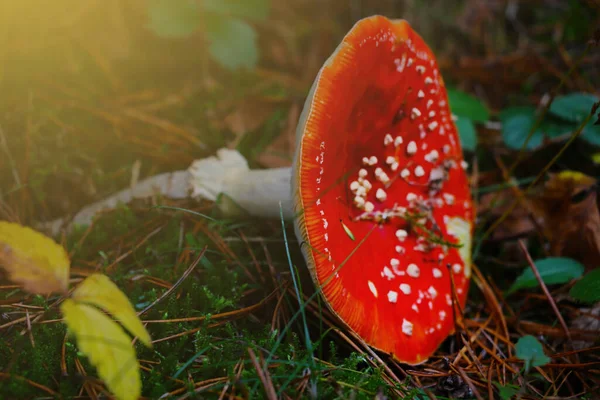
(79, 111)
(210, 350)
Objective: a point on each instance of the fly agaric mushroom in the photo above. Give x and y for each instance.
(380, 196)
(381, 191)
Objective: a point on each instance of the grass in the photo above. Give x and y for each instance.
(245, 322)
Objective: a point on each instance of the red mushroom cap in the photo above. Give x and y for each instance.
(382, 198)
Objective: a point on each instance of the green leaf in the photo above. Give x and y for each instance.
(467, 133)
(591, 133)
(250, 9)
(573, 107)
(553, 270)
(173, 18)
(232, 42)
(506, 392)
(587, 289)
(517, 123)
(465, 105)
(530, 350)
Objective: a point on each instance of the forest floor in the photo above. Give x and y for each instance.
(105, 96)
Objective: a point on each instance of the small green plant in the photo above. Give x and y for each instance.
(587, 290)
(531, 351)
(232, 40)
(468, 110)
(506, 392)
(564, 116)
(553, 270)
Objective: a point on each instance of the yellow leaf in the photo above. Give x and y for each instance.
(576, 176)
(100, 291)
(107, 346)
(37, 262)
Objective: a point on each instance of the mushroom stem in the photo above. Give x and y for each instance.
(227, 180)
(173, 185)
(224, 178)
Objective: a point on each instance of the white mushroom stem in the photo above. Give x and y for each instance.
(224, 178)
(258, 192)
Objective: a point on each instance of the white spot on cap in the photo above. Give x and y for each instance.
(401, 234)
(398, 141)
(411, 197)
(392, 296)
(400, 250)
(387, 139)
(437, 273)
(400, 63)
(414, 113)
(421, 94)
(381, 195)
(419, 171)
(395, 263)
(412, 147)
(407, 327)
(388, 273)
(449, 198)
(359, 201)
(390, 160)
(369, 206)
(432, 125)
(420, 69)
(442, 315)
(428, 80)
(405, 288)
(456, 268)
(354, 185)
(405, 173)
(362, 173)
(432, 292)
(413, 271)
(382, 176)
(372, 288)
(372, 160)
(432, 156)
(448, 299)
(429, 103)
(414, 307)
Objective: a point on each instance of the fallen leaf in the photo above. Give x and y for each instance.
(107, 346)
(99, 290)
(33, 260)
(516, 224)
(568, 208)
